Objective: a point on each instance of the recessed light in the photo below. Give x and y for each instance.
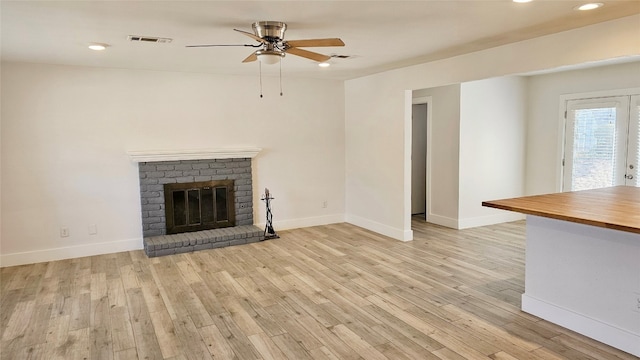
(324, 64)
(522, 1)
(589, 6)
(98, 46)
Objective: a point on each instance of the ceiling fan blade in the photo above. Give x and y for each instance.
(250, 58)
(212, 45)
(256, 38)
(308, 54)
(315, 42)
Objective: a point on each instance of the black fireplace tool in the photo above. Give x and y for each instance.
(269, 232)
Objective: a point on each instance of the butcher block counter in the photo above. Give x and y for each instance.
(582, 261)
(613, 208)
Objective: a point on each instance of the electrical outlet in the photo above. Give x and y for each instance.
(93, 229)
(64, 232)
(324, 204)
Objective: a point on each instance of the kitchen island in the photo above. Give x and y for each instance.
(582, 263)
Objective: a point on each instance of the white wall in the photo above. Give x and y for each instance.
(445, 153)
(372, 166)
(377, 159)
(543, 132)
(66, 131)
(492, 148)
(0, 161)
(479, 130)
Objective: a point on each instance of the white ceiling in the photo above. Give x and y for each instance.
(379, 35)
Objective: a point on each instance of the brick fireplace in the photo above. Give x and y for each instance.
(154, 175)
(186, 171)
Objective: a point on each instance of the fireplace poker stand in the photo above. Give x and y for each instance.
(269, 232)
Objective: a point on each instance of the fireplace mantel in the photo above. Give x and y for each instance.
(174, 155)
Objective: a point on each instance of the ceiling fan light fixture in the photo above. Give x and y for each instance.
(269, 57)
(324, 64)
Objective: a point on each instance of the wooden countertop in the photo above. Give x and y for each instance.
(613, 208)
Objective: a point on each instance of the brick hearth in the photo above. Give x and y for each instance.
(201, 240)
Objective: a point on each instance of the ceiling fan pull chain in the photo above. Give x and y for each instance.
(280, 77)
(260, 67)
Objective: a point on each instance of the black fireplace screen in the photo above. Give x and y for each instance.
(199, 206)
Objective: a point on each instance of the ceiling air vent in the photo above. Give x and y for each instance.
(149, 39)
(337, 56)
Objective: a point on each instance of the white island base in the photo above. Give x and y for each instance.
(584, 278)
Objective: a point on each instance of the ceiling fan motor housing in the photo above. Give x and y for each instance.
(273, 47)
(269, 30)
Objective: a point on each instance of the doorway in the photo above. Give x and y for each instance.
(419, 158)
(601, 147)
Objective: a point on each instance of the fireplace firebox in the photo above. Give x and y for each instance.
(196, 206)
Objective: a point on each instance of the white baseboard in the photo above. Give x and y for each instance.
(473, 222)
(489, 220)
(398, 234)
(442, 221)
(595, 329)
(69, 252)
(305, 222)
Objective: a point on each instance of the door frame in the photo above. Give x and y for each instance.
(564, 99)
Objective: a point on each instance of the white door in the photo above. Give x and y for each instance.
(601, 143)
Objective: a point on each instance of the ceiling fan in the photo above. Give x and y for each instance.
(273, 47)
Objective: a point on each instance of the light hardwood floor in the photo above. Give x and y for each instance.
(327, 292)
